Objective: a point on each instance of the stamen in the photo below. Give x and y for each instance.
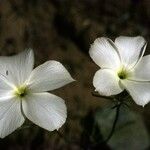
(123, 74)
(21, 91)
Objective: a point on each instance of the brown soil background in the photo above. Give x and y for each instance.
(63, 30)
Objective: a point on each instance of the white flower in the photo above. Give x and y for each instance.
(23, 93)
(122, 67)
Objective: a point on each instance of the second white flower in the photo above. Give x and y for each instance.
(122, 67)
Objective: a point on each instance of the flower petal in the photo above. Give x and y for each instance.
(104, 53)
(138, 90)
(49, 76)
(45, 110)
(10, 116)
(6, 88)
(141, 71)
(106, 82)
(17, 68)
(131, 49)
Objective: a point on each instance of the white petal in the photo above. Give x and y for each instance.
(17, 68)
(104, 53)
(131, 49)
(140, 91)
(49, 76)
(10, 116)
(106, 82)
(45, 110)
(142, 70)
(6, 88)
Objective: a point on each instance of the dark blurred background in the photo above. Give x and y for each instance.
(63, 30)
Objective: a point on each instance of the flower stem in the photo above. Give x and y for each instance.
(95, 94)
(114, 123)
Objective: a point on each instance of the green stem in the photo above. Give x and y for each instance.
(114, 123)
(95, 94)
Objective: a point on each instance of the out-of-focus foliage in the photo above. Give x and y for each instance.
(130, 132)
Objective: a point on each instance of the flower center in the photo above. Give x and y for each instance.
(123, 74)
(21, 91)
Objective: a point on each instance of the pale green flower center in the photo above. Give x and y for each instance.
(21, 91)
(123, 74)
